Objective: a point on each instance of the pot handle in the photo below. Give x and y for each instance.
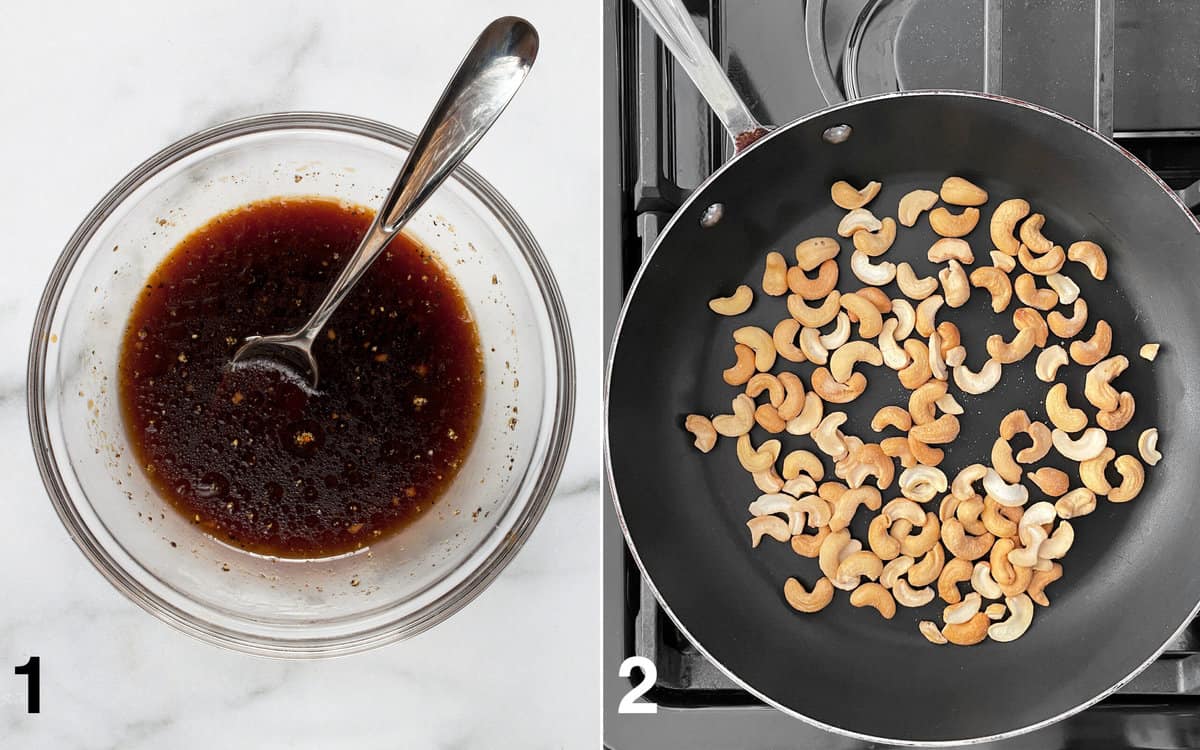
(670, 20)
(814, 37)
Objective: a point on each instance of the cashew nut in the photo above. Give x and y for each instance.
(814, 317)
(876, 243)
(915, 545)
(929, 568)
(1076, 503)
(978, 382)
(764, 381)
(891, 416)
(1009, 495)
(912, 286)
(811, 347)
(1089, 445)
(840, 333)
(927, 310)
(995, 611)
(834, 392)
(814, 288)
(955, 285)
(1053, 482)
(842, 363)
(1044, 265)
(858, 220)
(907, 596)
(868, 460)
(1004, 221)
(1066, 289)
(809, 545)
(1028, 319)
(1036, 518)
(860, 564)
(1097, 388)
(995, 520)
(870, 322)
(1016, 421)
(874, 595)
(1007, 352)
(735, 304)
(1148, 446)
(940, 431)
(702, 429)
(922, 483)
(1133, 477)
(793, 395)
(829, 438)
(924, 454)
(802, 600)
(1065, 327)
(937, 364)
(953, 225)
(1017, 623)
(948, 405)
(774, 281)
(963, 485)
(1027, 557)
(1061, 413)
(893, 356)
(968, 512)
(768, 418)
(772, 526)
(1116, 419)
(1003, 463)
(762, 344)
(1040, 580)
(963, 545)
(913, 204)
(950, 248)
(1096, 348)
(1001, 569)
(1091, 472)
(922, 402)
(996, 282)
(1006, 263)
(815, 251)
(1091, 255)
(743, 368)
(983, 583)
(1028, 292)
(1048, 361)
(738, 423)
(898, 447)
(876, 274)
(1042, 441)
(883, 544)
(810, 416)
(837, 547)
(931, 632)
(799, 486)
(959, 192)
(1059, 542)
(757, 459)
(784, 337)
(953, 573)
(802, 461)
(1148, 352)
(848, 197)
(895, 568)
(906, 318)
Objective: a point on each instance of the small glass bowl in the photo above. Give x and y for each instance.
(297, 608)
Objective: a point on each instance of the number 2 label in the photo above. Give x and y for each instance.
(630, 703)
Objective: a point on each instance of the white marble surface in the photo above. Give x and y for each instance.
(89, 90)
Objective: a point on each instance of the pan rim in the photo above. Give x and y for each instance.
(610, 360)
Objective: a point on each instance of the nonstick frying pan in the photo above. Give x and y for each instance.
(1130, 580)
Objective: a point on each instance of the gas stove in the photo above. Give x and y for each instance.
(1129, 69)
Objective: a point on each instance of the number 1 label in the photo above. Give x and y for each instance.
(32, 670)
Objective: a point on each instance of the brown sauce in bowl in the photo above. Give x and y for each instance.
(253, 457)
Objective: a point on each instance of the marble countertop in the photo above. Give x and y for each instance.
(92, 89)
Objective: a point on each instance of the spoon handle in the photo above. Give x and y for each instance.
(481, 88)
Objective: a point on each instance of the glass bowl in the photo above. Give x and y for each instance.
(297, 608)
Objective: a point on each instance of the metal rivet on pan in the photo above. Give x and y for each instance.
(712, 215)
(837, 133)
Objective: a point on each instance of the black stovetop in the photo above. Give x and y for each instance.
(661, 141)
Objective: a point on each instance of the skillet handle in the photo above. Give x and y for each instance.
(670, 20)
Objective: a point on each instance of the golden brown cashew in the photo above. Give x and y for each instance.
(906, 318)
(874, 595)
(784, 337)
(876, 297)
(813, 288)
(837, 546)
(799, 486)
(772, 526)
(841, 364)
(913, 204)
(1097, 388)
(926, 319)
(959, 192)
(940, 431)
(1003, 463)
(1133, 477)
(869, 460)
(876, 274)
(1048, 361)
(809, 545)
(922, 402)
(929, 568)
(978, 382)
(870, 322)
(876, 243)
(968, 633)
(1004, 221)
(810, 416)
(1091, 255)
(881, 543)
(848, 197)
(962, 545)
(757, 459)
(1001, 569)
(774, 280)
(953, 225)
(860, 564)
(955, 286)
(1031, 234)
(891, 416)
(930, 630)
(1016, 421)
(953, 573)
(858, 220)
(915, 545)
(814, 317)
(768, 418)
(1007, 352)
(1061, 413)
(995, 521)
(1116, 419)
(768, 481)
(968, 514)
(735, 304)
(912, 286)
(760, 341)
(830, 491)
(1096, 348)
(950, 335)
(1148, 446)
(1044, 265)
(1042, 442)
(802, 600)
(1087, 446)
(703, 430)
(834, 392)
(898, 448)
(1148, 352)
(1051, 481)
(840, 333)
(1076, 503)
(1091, 471)
(1066, 289)
(765, 381)
(963, 485)
(997, 283)
(738, 423)
(1040, 580)
(1028, 319)
(793, 395)
(896, 568)
(1065, 327)
(1028, 292)
(924, 454)
(815, 251)
(950, 248)
(845, 506)
(743, 368)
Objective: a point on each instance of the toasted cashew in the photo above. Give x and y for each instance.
(929, 568)
(895, 568)
(963, 485)
(912, 286)
(735, 304)
(963, 545)
(814, 317)
(1092, 471)
(1031, 234)
(837, 546)
(898, 447)
(917, 373)
(774, 280)
(834, 392)
(950, 248)
(1051, 481)
(858, 220)
(1008, 495)
(1061, 413)
(772, 526)
(883, 544)
(1048, 361)
(876, 243)
(956, 614)
(765, 381)
(829, 438)
(1087, 446)
(846, 505)
(922, 402)
(815, 251)
(738, 423)
(1097, 388)
(876, 274)
(968, 513)
(1007, 352)
(869, 460)
(1004, 221)
(913, 204)
(1066, 289)
(950, 336)
(1133, 477)
(955, 286)
(929, 629)
(842, 363)
(809, 545)
(968, 633)
(802, 461)
(799, 486)
(870, 322)
(803, 600)
(874, 595)
(1003, 463)
(840, 333)
(702, 429)
(784, 338)
(1148, 352)
(1040, 580)
(1043, 265)
(1115, 419)
(1006, 263)
(948, 405)
(915, 545)
(1002, 571)
(1042, 441)
(811, 347)
(996, 282)
(995, 521)
(1028, 292)
(848, 197)
(891, 416)
(1091, 255)
(940, 431)
(907, 596)
(925, 454)
(876, 297)
(1027, 557)
(741, 370)
(954, 572)
(926, 321)
(1017, 623)
(1096, 348)
(1065, 327)
(809, 288)
(1016, 421)
(959, 192)
(1148, 446)
(1059, 542)
(757, 459)
(1076, 503)
(983, 583)
(980, 382)
(937, 364)
(762, 344)
(922, 483)
(810, 416)
(893, 356)
(1028, 319)
(860, 564)
(768, 418)
(953, 225)
(906, 318)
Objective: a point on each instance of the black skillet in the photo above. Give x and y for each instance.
(1130, 583)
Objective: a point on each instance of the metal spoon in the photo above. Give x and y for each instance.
(484, 83)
